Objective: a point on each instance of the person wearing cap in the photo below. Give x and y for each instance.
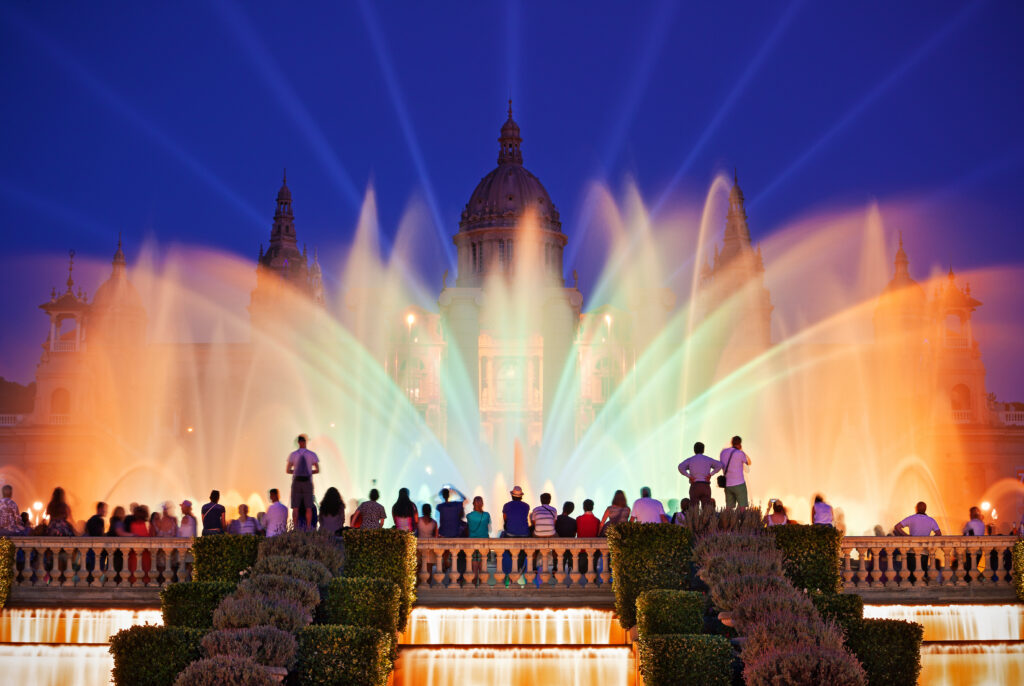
(516, 516)
(187, 526)
(302, 465)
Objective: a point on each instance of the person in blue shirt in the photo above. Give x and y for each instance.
(516, 516)
(450, 513)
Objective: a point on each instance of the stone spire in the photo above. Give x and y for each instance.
(509, 152)
(282, 234)
(316, 278)
(119, 262)
(902, 264)
(71, 266)
(737, 233)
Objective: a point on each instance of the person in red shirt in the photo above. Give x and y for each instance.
(587, 524)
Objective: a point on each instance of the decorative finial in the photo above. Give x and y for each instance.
(118, 240)
(53, 293)
(951, 276)
(509, 105)
(735, 176)
(71, 266)
(284, 177)
(901, 239)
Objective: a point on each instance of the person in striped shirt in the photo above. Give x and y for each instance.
(543, 517)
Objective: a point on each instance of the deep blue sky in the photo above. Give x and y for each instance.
(173, 120)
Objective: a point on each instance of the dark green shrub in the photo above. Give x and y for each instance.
(1018, 569)
(281, 587)
(191, 603)
(812, 555)
(384, 554)
(153, 655)
(803, 664)
(672, 659)
(662, 611)
(890, 650)
(6, 570)
(264, 645)
(225, 670)
(645, 557)
(308, 570)
(223, 557)
(361, 601)
(342, 656)
(307, 545)
(241, 613)
(844, 608)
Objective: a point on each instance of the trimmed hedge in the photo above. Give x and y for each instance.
(281, 587)
(225, 670)
(306, 545)
(645, 557)
(803, 664)
(6, 570)
(889, 649)
(191, 603)
(662, 611)
(242, 612)
(812, 555)
(361, 601)
(845, 609)
(308, 570)
(1018, 569)
(342, 656)
(672, 659)
(384, 554)
(264, 645)
(153, 655)
(224, 557)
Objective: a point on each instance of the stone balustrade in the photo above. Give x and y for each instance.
(56, 569)
(936, 568)
(131, 571)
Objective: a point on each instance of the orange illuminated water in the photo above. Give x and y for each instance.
(958, 622)
(520, 626)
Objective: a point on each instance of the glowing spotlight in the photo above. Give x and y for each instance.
(410, 319)
(430, 470)
(994, 515)
(189, 429)
(332, 425)
(986, 506)
(37, 506)
(608, 320)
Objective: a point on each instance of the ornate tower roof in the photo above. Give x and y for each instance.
(117, 291)
(737, 233)
(506, 194)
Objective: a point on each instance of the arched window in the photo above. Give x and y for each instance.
(60, 401)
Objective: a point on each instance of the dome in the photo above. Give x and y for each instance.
(117, 292)
(509, 191)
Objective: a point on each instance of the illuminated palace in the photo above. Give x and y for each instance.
(509, 227)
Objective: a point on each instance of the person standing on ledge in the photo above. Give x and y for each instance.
(733, 460)
(302, 465)
(699, 469)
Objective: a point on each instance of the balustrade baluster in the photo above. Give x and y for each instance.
(995, 559)
(514, 574)
(439, 574)
(591, 574)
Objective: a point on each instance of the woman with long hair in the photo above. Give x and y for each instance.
(59, 514)
(617, 512)
(404, 512)
(332, 512)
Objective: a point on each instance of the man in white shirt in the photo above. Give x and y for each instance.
(976, 526)
(647, 510)
(187, 527)
(699, 468)
(733, 460)
(543, 517)
(302, 465)
(276, 519)
(919, 524)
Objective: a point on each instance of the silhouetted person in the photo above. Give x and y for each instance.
(302, 465)
(733, 460)
(699, 468)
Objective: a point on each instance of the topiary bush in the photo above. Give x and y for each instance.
(384, 554)
(225, 670)
(705, 521)
(889, 649)
(724, 543)
(6, 570)
(788, 630)
(192, 603)
(264, 645)
(803, 664)
(307, 570)
(812, 555)
(726, 593)
(645, 557)
(361, 601)
(239, 613)
(844, 608)
(733, 564)
(755, 607)
(223, 557)
(307, 545)
(281, 587)
(662, 611)
(673, 659)
(1018, 569)
(342, 656)
(153, 655)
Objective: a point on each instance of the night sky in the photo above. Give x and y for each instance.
(171, 122)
